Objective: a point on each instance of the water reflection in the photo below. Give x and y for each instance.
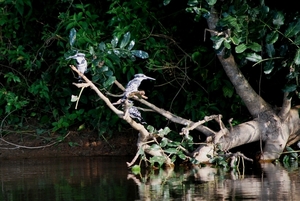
(107, 178)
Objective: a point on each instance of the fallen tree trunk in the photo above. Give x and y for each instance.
(272, 127)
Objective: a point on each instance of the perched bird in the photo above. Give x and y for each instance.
(134, 84)
(81, 63)
(134, 113)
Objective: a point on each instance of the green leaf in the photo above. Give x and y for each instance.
(151, 129)
(91, 50)
(166, 2)
(255, 47)
(163, 142)
(293, 29)
(278, 19)
(269, 66)
(109, 81)
(72, 37)
(254, 57)
(292, 152)
(289, 88)
(211, 2)
(272, 37)
(227, 91)
(139, 53)
(102, 46)
(155, 147)
(227, 44)
(297, 40)
(297, 57)
(171, 150)
(157, 159)
(182, 156)
(218, 43)
(165, 131)
(270, 50)
(114, 42)
(235, 40)
(136, 169)
(125, 40)
(240, 48)
(192, 2)
(131, 44)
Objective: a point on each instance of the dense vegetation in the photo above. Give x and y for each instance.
(36, 38)
(36, 80)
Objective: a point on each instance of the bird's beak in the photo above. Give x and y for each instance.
(150, 78)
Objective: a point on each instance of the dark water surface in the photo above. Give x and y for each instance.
(107, 178)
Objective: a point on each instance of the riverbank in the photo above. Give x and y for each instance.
(84, 143)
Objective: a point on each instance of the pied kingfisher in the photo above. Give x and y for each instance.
(134, 84)
(134, 113)
(81, 63)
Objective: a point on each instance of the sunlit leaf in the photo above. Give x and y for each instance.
(278, 19)
(74, 98)
(163, 142)
(125, 40)
(81, 127)
(166, 2)
(192, 2)
(151, 129)
(254, 57)
(114, 41)
(165, 131)
(117, 52)
(211, 2)
(72, 37)
(240, 48)
(269, 66)
(131, 44)
(297, 57)
(91, 50)
(290, 88)
(182, 156)
(270, 50)
(104, 68)
(155, 147)
(139, 53)
(102, 46)
(136, 169)
(218, 43)
(157, 159)
(272, 37)
(227, 44)
(171, 150)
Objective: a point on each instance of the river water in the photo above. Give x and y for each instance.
(108, 179)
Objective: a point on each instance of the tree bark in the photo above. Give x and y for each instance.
(268, 125)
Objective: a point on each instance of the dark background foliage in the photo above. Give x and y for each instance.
(36, 82)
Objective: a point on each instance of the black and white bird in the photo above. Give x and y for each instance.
(134, 84)
(81, 63)
(134, 113)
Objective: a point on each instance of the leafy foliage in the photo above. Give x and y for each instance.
(123, 38)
